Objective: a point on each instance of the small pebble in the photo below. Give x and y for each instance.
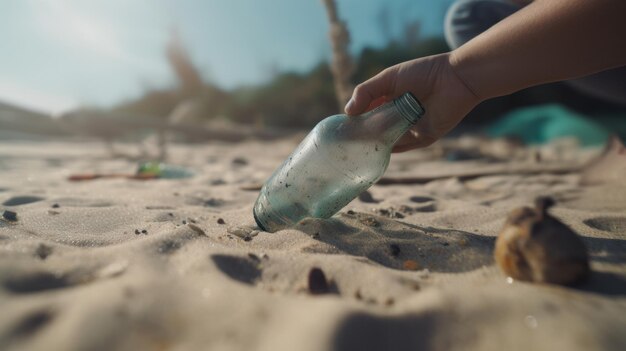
(240, 161)
(10, 216)
(351, 213)
(369, 221)
(52, 212)
(56, 206)
(184, 221)
(410, 265)
(220, 221)
(137, 232)
(43, 251)
(144, 232)
(317, 283)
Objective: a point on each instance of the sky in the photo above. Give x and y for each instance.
(56, 55)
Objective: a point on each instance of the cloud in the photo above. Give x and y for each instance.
(65, 22)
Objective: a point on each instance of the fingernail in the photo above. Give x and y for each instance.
(349, 105)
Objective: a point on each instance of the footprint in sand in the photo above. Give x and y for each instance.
(22, 200)
(421, 199)
(41, 281)
(32, 323)
(36, 282)
(607, 224)
(241, 269)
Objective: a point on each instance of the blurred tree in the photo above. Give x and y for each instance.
(342, 63)
(189, 78)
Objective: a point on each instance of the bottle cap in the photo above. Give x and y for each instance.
(409, 107)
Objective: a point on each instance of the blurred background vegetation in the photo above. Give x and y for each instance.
(196, 106)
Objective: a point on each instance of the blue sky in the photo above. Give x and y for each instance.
(59, 54)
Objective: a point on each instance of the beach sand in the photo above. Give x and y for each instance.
(119, 264)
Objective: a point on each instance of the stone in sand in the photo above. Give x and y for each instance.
(43, 251)
(317, 283)
(534, 246)
(10, 216)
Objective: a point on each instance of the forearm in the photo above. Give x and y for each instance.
(548, 40)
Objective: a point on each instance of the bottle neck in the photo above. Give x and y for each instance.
(394, 118)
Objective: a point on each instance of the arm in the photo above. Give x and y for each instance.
(548, 40)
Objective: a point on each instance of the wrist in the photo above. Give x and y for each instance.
(460, 69)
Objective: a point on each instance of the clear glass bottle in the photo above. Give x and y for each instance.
(339, 159)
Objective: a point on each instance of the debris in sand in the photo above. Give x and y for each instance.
(251, 187)
(389, 212)
(369, 221)
(240, 161)
(410, 265)
(534, 246)
(317, 283)
(56, 205)
(52, 212)
(43, 251)
(245, 233)
(10, 216)
(196, 229)
(220, 221)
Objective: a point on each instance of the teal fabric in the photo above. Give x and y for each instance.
(541, 124)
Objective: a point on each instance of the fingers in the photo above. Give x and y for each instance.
(372, 89)
(413, 140)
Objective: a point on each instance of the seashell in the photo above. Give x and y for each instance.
(534, 246)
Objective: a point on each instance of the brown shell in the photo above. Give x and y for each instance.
(534, 246)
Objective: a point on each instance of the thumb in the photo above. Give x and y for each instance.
(365, 93)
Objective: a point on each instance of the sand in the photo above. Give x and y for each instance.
(118, 264)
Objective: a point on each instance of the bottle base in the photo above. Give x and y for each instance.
(258, 222)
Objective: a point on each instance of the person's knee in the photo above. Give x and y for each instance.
(466, 19)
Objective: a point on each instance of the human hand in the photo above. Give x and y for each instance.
(433, 81)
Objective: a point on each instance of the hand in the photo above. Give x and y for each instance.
(433, 81)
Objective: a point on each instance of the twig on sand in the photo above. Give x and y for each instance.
(467, 175)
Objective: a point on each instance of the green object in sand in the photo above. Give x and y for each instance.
(541, 124)
(163, 170)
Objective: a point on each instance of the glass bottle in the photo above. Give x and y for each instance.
(339, 159)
